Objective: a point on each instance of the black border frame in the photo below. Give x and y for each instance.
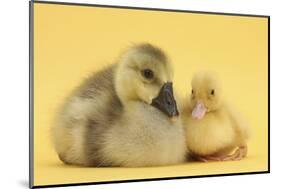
(31, 92)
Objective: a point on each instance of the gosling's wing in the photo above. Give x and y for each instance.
(95, 97)
(86, 115)
(105, 109)
(98, 83)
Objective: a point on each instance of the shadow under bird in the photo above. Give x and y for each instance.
(124, 115)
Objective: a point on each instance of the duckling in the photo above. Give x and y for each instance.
(124, 115)
(214, 130)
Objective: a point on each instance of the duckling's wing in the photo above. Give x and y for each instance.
(239, 123)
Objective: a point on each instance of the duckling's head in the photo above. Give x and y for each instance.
(205, 94)
(145, 74)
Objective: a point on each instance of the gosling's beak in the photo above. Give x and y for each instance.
(165, 100)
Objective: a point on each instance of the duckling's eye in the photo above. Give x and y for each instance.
(147, 73)
(192, 94)
(212, 92)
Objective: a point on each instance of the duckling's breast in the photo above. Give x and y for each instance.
(209, 135)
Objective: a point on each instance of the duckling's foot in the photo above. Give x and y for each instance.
(239, 154)
(208, 158)
(204, 158)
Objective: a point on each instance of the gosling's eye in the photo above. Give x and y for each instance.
(212, 92)
(192, 91)
(147, 73)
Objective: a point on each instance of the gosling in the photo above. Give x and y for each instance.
(124, 115)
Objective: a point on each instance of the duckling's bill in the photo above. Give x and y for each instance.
(199, 110)
(165, 100)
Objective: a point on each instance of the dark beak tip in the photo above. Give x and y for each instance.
(175, 114)
(165, 101)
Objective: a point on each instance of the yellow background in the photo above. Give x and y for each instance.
(70, 42)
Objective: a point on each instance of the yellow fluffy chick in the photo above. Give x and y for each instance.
(214, 131)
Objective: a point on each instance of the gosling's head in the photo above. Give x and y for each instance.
(205, 94)
(145, 74)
